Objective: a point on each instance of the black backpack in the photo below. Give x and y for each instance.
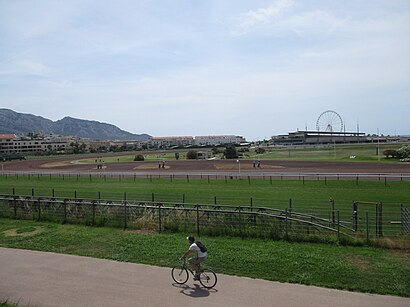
(201, 246)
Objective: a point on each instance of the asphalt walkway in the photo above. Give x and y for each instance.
(32, 278)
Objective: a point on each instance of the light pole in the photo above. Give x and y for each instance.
(378, 145)
(239, 166)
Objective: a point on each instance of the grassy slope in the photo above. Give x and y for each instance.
(353, 268)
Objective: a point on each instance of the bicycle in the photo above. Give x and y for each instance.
(180, 275)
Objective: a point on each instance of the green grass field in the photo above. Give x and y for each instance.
(338, 152)
(362, 269)
(267, 193)
(310, 196)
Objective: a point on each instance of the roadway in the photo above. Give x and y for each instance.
(32, 278)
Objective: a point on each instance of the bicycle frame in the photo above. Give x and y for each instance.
(187, 266)
(207, 277)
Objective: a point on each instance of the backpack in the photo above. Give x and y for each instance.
(201, 246)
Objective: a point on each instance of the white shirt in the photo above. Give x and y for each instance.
(195, 247)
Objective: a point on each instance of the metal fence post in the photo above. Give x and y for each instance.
(338, 226)
(286, 224)
(125, 214)
(332, 201)
(94, 207)
(367, 228)
(159, 218)
(240, 222)
(65, 211)
(39, 209)
(380, 218)
(15, 206)
(197, 220)
(355, 216)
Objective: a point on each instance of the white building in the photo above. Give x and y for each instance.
(169, 141)
(10, 144)
(216, 140)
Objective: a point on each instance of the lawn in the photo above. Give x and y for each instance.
(310, 197)
(361, 269)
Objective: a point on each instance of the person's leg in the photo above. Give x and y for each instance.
(194, 263)
(199, 262)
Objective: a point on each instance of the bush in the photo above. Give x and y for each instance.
(230, 152)
(260, 150)
(391, 153)
(404, 152)
(192, 154)
(139, 158)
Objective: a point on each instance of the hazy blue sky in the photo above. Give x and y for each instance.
(253, 68)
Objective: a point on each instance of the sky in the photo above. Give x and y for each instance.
(189, 67)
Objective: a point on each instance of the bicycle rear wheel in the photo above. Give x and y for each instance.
(208, 278)
(179, 274)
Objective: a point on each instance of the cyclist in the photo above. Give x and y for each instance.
(195, 261)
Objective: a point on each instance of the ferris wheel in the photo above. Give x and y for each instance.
(329, 121)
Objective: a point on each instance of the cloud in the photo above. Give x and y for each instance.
(25, 67)
(284, 17)
(250, 67)
(253, 18)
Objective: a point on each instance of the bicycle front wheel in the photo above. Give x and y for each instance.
(179, 274)
(208, 278)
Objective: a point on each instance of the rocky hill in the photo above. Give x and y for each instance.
(20, 123)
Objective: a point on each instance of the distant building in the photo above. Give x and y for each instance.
(11, 144)
(187, 141)
(7, 143)
(318, 137)
(171, 141)
(202, 155)
(217, 140)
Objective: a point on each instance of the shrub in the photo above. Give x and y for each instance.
(192, 154)
(404, 152)
(230, 152)
(260, 150)
(139, 158)
(391, 153)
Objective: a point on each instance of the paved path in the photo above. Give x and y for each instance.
(33, 278)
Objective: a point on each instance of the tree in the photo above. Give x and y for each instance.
(230, 152)
(139, 158)
(260, 150)
(404, 152)
(216, 151)
(391, 153)
(192, 154)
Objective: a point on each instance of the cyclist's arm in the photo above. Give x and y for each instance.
(186, 253)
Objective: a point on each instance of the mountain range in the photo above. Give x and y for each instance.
(20, 123)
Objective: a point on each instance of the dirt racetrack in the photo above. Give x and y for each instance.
(245, 167)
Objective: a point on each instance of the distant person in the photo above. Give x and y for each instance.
(201, 255)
